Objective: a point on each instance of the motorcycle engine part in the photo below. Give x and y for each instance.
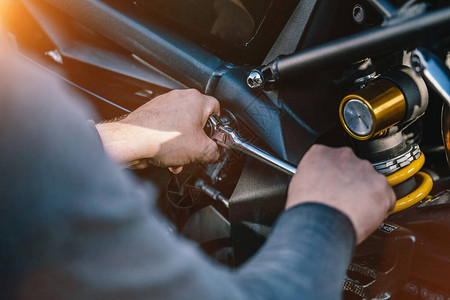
(368, 278)
(182, 191)
(212, 192)
(230, 138)
(399, 96)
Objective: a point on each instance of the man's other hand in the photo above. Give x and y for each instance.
(337, 178)
(166, 131)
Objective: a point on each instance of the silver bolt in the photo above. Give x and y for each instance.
(416, 64)
(359, 14)
(255, 80)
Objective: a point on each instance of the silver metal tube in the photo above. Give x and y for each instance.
(265, 157)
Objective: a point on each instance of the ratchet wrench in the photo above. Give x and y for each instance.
(230, 138)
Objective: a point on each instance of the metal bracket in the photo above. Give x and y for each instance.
(433, 70)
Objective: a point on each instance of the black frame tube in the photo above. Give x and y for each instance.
(412, 33)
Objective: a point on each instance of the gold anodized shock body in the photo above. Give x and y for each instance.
(386, 103)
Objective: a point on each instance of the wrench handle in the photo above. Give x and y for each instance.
(264, 157)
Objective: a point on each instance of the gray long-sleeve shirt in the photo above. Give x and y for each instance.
(73, 225)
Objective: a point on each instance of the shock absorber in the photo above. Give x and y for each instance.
(375, 117)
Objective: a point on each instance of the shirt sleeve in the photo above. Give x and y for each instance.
(73, 225)
(93, 128)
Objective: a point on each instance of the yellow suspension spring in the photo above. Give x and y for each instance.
(426, 184)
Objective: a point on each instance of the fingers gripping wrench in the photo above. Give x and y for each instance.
(229, 138)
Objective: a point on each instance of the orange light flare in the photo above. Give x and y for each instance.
(447, 139)
(445, 123)
(5, 6)
(9, 14)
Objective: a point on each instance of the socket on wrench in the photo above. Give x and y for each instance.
(229, 138)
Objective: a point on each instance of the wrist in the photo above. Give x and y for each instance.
(118, 141)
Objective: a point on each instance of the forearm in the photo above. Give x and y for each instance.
(305, 256)
(117, 141)
(124, 142)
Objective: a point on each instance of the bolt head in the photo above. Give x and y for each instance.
(359, 14)
(416, 64)
(255, 80)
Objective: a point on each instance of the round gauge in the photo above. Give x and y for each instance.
(358, 117)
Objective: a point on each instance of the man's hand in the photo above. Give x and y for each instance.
(168, 131)
(337, 178)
